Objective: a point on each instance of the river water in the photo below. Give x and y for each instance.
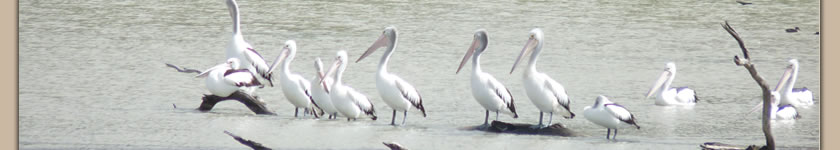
(92, 73)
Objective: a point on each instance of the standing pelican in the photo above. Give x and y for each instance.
(488, 91)
(800, 97)
(294, 86)
(548, 95)
(347, 100)
(320, 94)
(396, 92)
(671, 96)
(225, 79)
(243, 51)
(608, 114)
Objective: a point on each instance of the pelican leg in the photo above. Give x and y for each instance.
(486, 116)
(497, 116)
(305, 111)
(550, 117)
(615, 133)
(405, 113)
(393, 115)
(296, 112)
(608, 133)
(541, 120)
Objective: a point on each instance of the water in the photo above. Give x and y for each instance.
(92, 73)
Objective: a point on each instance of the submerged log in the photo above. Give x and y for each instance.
(722, 146)
(249, 143)
(258, 107)
(521, 128)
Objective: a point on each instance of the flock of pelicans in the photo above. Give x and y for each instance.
(245, 70)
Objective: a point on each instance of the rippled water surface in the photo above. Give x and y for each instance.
(92, 73)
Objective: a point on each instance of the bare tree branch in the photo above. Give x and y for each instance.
(765, 90)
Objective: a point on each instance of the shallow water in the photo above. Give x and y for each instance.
(92, 73)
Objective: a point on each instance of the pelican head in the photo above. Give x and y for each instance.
(478, 45)
(387, 38)
(600, 101)
(664, 78)
(338, 66)
(289, 49)
(535, 39)
(234, 63)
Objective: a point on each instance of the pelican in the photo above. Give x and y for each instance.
(224, 79)
(671, 96)
(488, 91)
(319, 93)
(239, 49)
(610, 115)
(548, 95)
(294, 86)
(785, 112)
(800, 97)
(347, 101)
(396, 92)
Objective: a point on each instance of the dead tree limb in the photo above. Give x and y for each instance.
(249, 143)
(765, 90)
(209, 101)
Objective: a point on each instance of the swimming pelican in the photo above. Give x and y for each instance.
(488, 91)
(243, 51)
(799, 97)
(347, 100)
(671, 96)
(396, 92)
(548, 95)
(294, 86)
(224, 79)
(319, 92)
(610, 115)
(784, 112)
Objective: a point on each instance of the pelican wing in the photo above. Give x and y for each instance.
(257, 63)
(241, 77)
(556, 89)
(207, 72)
(621, 113)
(411, 94)
(502, 92)
(361, 100)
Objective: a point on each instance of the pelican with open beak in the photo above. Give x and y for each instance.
(488, 91)
(548, 95)
(667, 96)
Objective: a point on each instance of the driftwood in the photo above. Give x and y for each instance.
(394, 146)
(765, 90)
(258, 107)
(521, 128)
(721, 146)
(249, 143)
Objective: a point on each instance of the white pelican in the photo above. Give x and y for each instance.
(784, 112)
(319, 92)
(610, 115)
(800, 97)
(671, 96)
(488, 91)
(224, 79)
(347, 100)
(396, 92)
(294, 86)
(548, 95)
(243, 51)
